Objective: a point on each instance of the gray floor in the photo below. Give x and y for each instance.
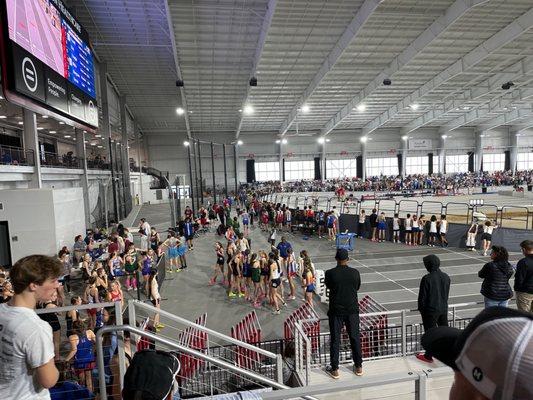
(390, 274)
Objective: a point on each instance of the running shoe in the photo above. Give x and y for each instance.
(277, 312)
(242, 294)
(291, 298)
(422, 357)
(232, 295)
(358, 371)
(211, 282)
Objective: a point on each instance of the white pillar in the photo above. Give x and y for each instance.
(125, 154)
(478, 150)
(513, 148)
(323, 161)
(442, 153)
(82, 154)
(363, 159)
(139, 162)
(405, 148)
(31, 142)
(281, 161)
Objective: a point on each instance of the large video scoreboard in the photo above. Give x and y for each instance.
(47, 62)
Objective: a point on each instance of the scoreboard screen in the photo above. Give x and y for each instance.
(48, 60)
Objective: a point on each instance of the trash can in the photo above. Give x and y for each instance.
(484, 190)
(530, 188)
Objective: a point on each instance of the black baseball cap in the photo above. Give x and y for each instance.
(494, 352)
(341, 255)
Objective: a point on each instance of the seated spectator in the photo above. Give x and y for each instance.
(66, 389)
(81, 352)
(79, 248)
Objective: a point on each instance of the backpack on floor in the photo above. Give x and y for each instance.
(151, 376)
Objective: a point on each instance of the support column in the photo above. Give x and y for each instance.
(405, 149)
(31, 142)
(213, 172)
(513, 148)
(225, 171)
(139, 161)
(478, 150)
(199, 144)
(191, 183)
(280, 160)
(323, 161)
(442, 153)
(235, 168)
(363, 158)
(82, 154)
(125, 155)
(105, 129)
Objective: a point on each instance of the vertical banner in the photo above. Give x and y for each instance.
(250, 171)
(430, 163)
(317, 169)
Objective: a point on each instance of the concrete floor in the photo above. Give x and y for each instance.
(390, 274)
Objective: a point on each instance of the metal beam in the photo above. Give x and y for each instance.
(507, 118)
(178, 69)
(512, 31)
(516, 71)
(350, 33)
(493, 106)
(265, 27)
(520, 127)
(450, 16)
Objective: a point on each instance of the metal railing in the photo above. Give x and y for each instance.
(419, 379)
(10, 155)
(224, 346)
(171, 344)
(54, 160)
(518, 217)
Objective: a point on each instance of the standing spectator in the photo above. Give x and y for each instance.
(283, 248)
(361, 225)
(188, 232)
(523, 280)
(27, 370)
(433, 298)
(491, 358)
(496, 275)
(144, 231)
(373, 219)
(343, 283)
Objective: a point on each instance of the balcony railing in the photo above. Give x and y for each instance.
(10, 155)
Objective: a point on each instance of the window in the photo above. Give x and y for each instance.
(493, 162)
(267, 171)
(456, 163)
(341, 168)
(296, 170)
(417, 165)
(524, 161)
(382, 166)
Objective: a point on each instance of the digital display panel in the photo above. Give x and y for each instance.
(49, 59)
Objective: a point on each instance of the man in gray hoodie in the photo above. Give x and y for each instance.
(433, 298)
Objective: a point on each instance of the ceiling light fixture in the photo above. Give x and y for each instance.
(67, 136)
(186, 143)
(321, 140)
(363, 139)
(405, 137)
(3, 116)
(284, 141)
(61, 123)
(40, 129)
(180, 111)
(444, 136)
(278, 141)
(52, 132)
(306, 108)
(248, 110)
(21, 123)
(361, 107)
(239, 143)
(45, 116)
(415, 106)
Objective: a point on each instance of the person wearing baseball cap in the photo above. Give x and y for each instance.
(492, 357)
(343, 283)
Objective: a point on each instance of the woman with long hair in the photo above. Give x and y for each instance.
(81, 350)
(219, 263)
(486, 237)
(154, 296)
(292, 272)
(172, 244)
(309, 283)
(255, 265)
(275, 283)
(53, 321)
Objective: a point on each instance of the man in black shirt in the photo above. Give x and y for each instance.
(433, 298)
(523, 280)
(343, 283)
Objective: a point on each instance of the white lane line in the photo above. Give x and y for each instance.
(386, 278)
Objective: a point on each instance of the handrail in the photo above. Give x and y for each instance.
(70, 308)
(172, 344)
(211, 332)
(363, 382)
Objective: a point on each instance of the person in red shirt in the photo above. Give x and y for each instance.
(188, 212)
(113, 246)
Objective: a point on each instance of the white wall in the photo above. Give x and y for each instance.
(146, 195)
(42, 220)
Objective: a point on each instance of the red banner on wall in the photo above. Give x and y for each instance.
(344, 153)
